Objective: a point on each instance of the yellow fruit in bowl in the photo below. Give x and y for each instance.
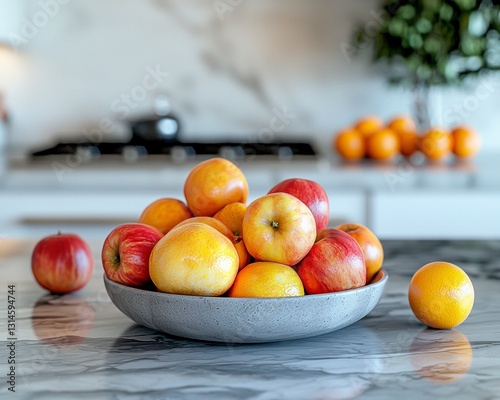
(212, 184)
(194, 259)
(243, 255)
(164, 214)
(232, 216)
(441, 295)
(267, 279)
(280, 228)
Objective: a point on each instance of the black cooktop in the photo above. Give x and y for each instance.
(179, 150)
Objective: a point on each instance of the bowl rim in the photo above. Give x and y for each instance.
(379, 279)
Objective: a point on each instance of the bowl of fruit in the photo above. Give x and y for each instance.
(246, 320)
(215, 269)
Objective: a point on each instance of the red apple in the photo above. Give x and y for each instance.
(311, 194)
(369, 243)
(125, 253)
(62, 263)
(278, 227)
(334, 263)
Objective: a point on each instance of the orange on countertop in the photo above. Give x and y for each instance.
(350, 144)
(402, 124)
(368, 125)
(436, 144)
(383, 145)
(466, 142)
(441, 295)
(408, 143)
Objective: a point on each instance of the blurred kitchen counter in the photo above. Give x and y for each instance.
(64, 172)
(397, 200)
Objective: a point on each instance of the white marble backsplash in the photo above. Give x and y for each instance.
(228, 66)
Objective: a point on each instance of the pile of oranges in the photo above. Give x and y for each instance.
(371, 138)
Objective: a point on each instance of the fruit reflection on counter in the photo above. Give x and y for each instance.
(62, 321)
(371, 138)
(441, 356)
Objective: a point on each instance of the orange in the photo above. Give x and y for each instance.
(267, 279)
(466, 142)
(193, 259)
(243, 255)
(441, 295)
(408, 142)
(214, 223)
(441, 356)
(212, 184)
(383, 145)
(436, 144)
(402, 124)
(369, 125)
(232, 216)
(164, 214)
(350, 144)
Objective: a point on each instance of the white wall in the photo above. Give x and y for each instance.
(226, 75)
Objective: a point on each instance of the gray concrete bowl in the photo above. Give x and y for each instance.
(246, 320)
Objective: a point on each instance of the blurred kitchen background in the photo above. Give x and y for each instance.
(232, 71)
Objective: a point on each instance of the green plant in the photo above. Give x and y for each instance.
(427, 43)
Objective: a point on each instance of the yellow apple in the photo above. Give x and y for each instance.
(278, 227)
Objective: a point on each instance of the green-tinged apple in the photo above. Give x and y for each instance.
(369, 243)
(125, 253)
(334, 263)
(311, 194)
(62, 263)
(278, 227)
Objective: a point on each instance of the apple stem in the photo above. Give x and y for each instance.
(274, 224)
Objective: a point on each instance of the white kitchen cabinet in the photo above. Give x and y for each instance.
(29, 212)
(347, 206)
(433, 214)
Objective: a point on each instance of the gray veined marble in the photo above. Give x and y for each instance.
(81, 346)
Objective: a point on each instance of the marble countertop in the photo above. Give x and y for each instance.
(81, 346)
